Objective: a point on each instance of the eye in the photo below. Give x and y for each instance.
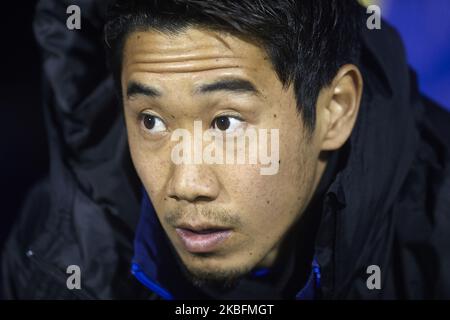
(227, 123)
(152, 123)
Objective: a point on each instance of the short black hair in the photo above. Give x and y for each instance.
(307, 41)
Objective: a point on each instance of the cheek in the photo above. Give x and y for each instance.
(150, 164)
(267, 204)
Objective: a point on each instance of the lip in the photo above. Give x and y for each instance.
(202, 239)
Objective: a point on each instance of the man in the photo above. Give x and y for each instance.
(362, 181)
(355, 205)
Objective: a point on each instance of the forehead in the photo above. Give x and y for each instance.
(193, 52)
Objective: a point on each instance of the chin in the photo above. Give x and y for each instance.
(224, 278)
(214, 273)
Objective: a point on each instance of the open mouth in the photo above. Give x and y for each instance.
(202, 240)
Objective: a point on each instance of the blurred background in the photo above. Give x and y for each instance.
(425, 28)
(23, 155)
(423, 24)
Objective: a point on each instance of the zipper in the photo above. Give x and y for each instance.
(56, 274)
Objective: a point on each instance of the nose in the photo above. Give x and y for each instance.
(193, 183)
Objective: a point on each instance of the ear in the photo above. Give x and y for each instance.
(340, 107)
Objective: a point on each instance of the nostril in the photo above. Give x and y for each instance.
(202, 198)
(190, 199)
(175, 197)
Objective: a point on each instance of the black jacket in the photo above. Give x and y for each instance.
(86, 211)
(389, 205)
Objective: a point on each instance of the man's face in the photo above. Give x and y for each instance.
(222, 219)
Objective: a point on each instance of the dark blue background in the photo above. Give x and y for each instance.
(425, 28)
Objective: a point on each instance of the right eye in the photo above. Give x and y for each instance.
(152, 123)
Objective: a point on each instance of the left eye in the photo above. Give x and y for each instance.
(224, 123)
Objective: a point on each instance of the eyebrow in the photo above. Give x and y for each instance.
(135, 89)
(231, 85)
